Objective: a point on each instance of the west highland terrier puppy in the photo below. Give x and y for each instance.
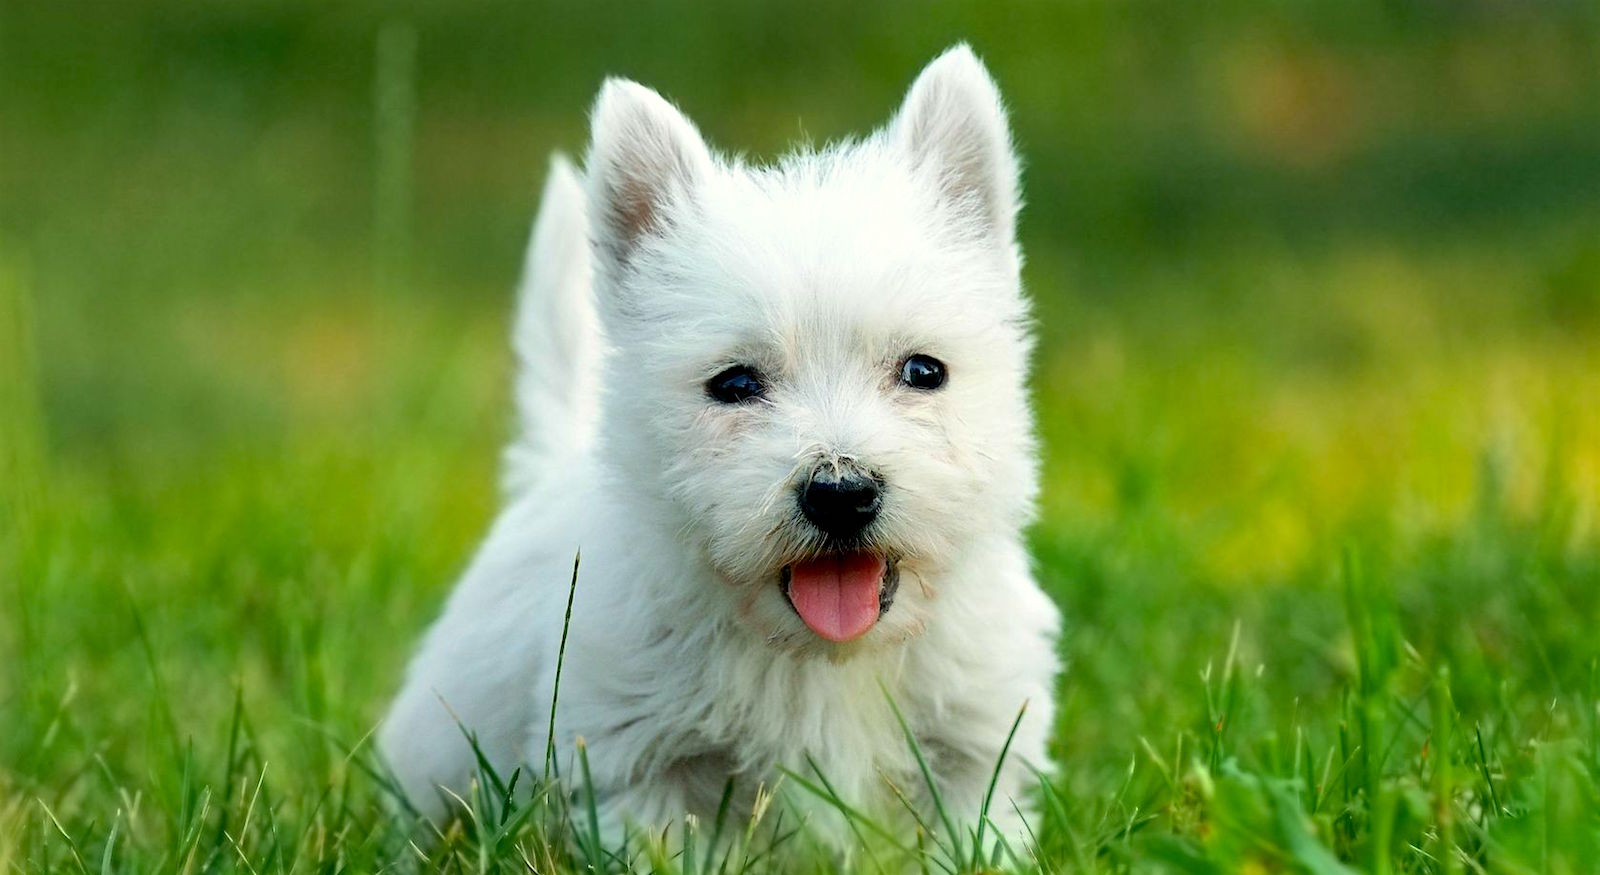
(782, 411)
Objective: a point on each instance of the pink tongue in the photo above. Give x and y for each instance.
(837, 596)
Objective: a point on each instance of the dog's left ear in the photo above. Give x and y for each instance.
(645, 159)
(953, 124)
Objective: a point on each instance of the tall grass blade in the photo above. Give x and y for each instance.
(551, 767)
(945, 820)
(994, 782)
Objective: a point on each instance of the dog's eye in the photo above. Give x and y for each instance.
(735, 385)
(923, 372)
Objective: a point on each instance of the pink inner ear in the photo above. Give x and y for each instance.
(633, 210)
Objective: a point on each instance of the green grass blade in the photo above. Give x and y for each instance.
(927, 776)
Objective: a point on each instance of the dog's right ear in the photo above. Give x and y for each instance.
(644, 161)
(953, 124)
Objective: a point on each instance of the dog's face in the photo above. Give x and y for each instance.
(817, 369)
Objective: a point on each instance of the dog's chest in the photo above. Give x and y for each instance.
(814, 719)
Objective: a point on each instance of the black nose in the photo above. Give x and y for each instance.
(840, 505)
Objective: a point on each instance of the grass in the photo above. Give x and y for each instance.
(1319, 296)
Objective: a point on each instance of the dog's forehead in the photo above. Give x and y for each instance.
(855, 244)
(851, 200)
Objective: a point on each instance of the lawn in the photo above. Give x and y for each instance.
(1318, 289)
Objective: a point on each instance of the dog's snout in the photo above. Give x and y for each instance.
(841, 505)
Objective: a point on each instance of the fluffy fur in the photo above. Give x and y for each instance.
(686, 665)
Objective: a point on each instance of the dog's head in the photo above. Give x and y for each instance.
(817, 369)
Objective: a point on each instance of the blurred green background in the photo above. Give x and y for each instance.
(1310, 277)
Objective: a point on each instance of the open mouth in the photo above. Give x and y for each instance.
(840, 596)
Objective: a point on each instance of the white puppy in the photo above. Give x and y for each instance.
(782, 411)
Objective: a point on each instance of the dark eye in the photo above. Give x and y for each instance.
(923, 372)
(735, 385)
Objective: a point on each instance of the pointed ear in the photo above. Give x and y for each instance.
(954, 127)
(644, 156)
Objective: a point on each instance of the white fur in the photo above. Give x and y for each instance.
(556, 339)
(686, 665)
